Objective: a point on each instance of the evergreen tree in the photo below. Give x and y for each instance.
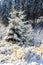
(15, 22)
(19, 32)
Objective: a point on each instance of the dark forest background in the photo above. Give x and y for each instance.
(33, 9)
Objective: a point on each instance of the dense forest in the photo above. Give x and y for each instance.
(32, 8)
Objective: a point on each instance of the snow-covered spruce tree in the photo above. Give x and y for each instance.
(19, 31)
(14, 32)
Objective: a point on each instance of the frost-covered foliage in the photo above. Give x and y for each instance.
(21, 32)
(21, 15)
(16, 24)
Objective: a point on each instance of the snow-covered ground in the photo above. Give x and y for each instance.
(16, 55)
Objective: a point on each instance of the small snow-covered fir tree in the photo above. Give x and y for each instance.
(15, 23)
(19, 31)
